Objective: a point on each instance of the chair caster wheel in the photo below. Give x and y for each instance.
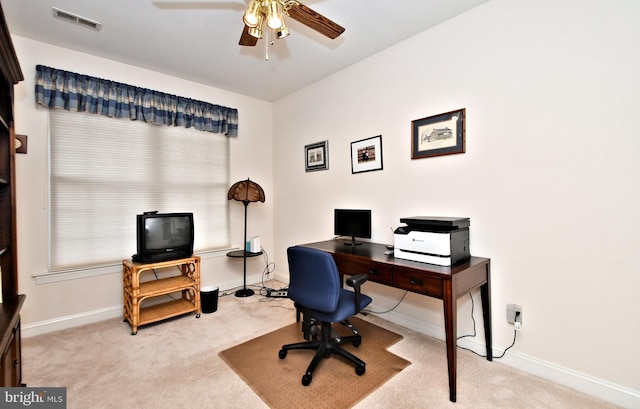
(282, 353)
(197, 315)
(306, 379)
(360, 370)
(357, 343)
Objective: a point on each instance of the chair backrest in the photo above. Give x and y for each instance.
(314, 281)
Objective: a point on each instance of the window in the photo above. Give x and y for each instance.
(105, 171)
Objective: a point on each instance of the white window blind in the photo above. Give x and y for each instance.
(104, 171)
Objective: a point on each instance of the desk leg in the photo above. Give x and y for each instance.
(485, 293)
(450, 327)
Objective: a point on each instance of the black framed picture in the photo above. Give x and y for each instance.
(437, 135)
(366, 154)
(316, 156)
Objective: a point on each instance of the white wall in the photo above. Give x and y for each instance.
(67, 303)
(550, 177)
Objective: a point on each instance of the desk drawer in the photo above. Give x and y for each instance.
(378, 273)
(418, 283)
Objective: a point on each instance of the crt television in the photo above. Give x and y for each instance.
(352, 223)
(163, 236)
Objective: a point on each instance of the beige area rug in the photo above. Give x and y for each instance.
(335, 383)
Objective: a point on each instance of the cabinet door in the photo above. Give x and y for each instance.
(6, 365)
(10, 365)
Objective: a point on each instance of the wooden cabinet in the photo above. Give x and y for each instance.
(10, 74)
(186, 286)
(10, 363)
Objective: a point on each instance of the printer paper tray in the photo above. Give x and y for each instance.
(422, 257)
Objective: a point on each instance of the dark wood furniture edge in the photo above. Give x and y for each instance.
(9, 64)
(10, 341)
(9, 316)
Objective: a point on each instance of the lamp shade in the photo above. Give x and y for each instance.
(246, 191)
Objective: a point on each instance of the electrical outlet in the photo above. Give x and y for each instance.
(514, 315)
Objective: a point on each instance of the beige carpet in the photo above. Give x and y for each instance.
(176, 365)
(335, 383)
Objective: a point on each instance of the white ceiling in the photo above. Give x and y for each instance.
(198, 40)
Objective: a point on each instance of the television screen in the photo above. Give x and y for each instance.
(164, 236)
(166, 232)
(353, 223)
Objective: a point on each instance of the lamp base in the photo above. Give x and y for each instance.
(244, 292)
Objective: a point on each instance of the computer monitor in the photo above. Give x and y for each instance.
(352, 223)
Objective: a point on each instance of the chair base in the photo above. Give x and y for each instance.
(326, 346)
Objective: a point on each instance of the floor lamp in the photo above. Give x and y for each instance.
(245, 191)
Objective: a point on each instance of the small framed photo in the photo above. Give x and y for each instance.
(316, 156)
(366, 155)
(438, 135)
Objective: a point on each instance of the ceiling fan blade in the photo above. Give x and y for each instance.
(247, 39)
(315, 21)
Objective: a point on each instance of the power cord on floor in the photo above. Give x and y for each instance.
(460, 337)
(262, 288)
(269, 268)
(474, 334)
(390, 309)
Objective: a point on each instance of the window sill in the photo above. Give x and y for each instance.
(116, 268)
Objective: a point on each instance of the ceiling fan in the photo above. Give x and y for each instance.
(270, 13)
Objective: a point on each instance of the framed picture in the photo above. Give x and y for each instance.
(438, 135)
(366, 155)
(316, 156)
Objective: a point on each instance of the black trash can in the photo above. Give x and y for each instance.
(209, 299)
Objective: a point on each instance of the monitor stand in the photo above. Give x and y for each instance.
(353, 242)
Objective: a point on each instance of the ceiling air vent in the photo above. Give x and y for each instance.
(74, 18)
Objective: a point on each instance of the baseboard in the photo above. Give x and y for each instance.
(607, 391)
(70, 321)
(283, 278)
(89, 317)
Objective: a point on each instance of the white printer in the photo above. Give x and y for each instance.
(443, 241)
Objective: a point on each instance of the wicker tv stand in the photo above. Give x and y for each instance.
(136, 292)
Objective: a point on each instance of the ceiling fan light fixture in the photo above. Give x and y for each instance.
(257, 30)
(253, 13)
(272, 14)
(274, 17)
(282, 32)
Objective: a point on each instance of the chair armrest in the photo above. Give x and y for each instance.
(356, 281)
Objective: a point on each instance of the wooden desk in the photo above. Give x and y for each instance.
(444, 283)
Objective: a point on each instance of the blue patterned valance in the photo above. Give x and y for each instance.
(76, 92)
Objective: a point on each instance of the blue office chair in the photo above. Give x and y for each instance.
(316, 290)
